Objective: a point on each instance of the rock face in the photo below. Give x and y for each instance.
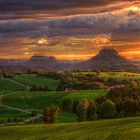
(107, 59)
(43, 61)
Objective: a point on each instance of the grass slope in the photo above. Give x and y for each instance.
(38, 100)
(8, 113)
(116, 75)
(33, 79)
(6, 85)
(119, 129)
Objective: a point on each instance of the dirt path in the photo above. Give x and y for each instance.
(27, 111)
(18, 83)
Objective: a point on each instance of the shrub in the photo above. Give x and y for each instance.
(108, 109)
(67, 105)
(75, 104)
(91, 113)
(33, 113)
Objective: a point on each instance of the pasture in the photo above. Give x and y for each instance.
(39, 100)
(14, 93)
(115, 129)
(33, 79)
(7, 85)
(116, 75)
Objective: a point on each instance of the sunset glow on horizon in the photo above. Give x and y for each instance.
(69, 31)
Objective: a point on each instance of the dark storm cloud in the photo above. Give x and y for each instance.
(16, 9)
(124, 22)
(39, 5)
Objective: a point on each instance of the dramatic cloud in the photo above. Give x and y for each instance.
(73, 28)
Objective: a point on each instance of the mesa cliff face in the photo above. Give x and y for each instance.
(42, 61)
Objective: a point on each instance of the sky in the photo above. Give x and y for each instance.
(69, 29)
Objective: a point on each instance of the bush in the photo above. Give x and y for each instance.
(67, 105)
(39, 88)
(91, 113)
(75, 104)
(108, 109)
(33, 113)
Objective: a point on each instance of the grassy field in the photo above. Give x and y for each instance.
(116, 75)
(33, 79)
(6, 113)
(119, 129)
(19, 97)
(38, 100)
(6, 85)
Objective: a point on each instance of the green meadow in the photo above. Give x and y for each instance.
(38, 100)
(115, 129)
(14, 93)
(33, 79)
(116, 75)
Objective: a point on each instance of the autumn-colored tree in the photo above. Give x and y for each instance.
(82, 109)
(50, 114)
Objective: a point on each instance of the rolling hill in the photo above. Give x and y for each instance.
(117, 129)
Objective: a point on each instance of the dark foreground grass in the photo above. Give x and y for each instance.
(8, 113)
(119, 129)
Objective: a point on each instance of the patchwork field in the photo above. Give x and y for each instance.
(7, 85)
(116, 75)
(6, 113)
(15, 94)
(38, 100)
(119, 129)
(33, 79)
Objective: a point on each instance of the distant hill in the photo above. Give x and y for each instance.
(43, 61)
(107, 59)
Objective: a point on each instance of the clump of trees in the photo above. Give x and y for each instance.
(12, 120)
(5, 74)
(121, 101)
(52, 75)
(50, 114)
(78, 85)
(39, 88)
(107, 109)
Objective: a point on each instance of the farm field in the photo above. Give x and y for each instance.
(7, 85)
(17, 95)
(14, 93)
(115, 129)
(38, 100)
(33, 79)
(7, 113)
(118, 75)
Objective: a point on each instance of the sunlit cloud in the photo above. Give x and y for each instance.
(72, 30)
(42, 41)
(102, 39)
